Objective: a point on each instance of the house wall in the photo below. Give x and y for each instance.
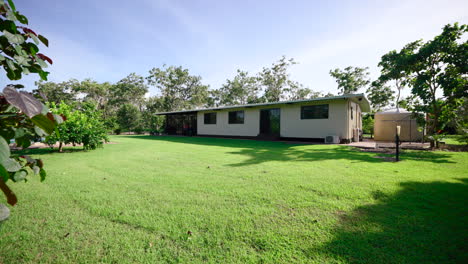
(354, 111)
(292, 126)
(222, 127)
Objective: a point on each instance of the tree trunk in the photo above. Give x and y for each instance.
(60, 147)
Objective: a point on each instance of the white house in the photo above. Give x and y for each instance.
(337, 117)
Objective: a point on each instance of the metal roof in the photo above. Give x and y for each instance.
(357, 98)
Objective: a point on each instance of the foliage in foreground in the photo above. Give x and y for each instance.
(22, 117)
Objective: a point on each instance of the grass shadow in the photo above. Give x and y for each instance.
(263, 151)
(43, 151)
(422, 223)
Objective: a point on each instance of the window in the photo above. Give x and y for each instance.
(314, 112)
(210, 118)
(236, 117)
(351, 113)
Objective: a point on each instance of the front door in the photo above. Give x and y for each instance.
(270, 122)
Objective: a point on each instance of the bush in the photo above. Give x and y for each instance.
(82, 126)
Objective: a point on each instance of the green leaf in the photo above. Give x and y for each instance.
(19, 132)
(39, 131)
(58, 119)
(11, 165)
(44, 40)
(41, 63)
(12, 5)
(22, 60)
(2, 58)
(32, 48)
(20, 175)
(44, 123)
(29, 159)
(4, 174)
(23, 142)
(9, 26)
(14, 38)
(21, 18)
(11, 65)
(4, 211)
(35, 39)
(4, 150)
(43, 174)
(36, 170)
(45, 110)
(43, 75)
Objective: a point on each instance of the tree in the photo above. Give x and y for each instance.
(57, 92)
(214, 98)
(129, 90)
(393, 66)
(380, 95)
(82, 126)
(129, 117)
(437, 73)
(275, 81)
(96, 93)
(21, 115)
(351, 79)
(151, 121)
(368, 124)
(303, 93)
(178, 88)
(242, 89)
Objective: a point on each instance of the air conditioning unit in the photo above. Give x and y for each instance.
(332, 139)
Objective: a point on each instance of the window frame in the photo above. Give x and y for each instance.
(303, 107)
(236, 123)
(205, 119)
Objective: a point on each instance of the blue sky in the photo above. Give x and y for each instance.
(107, 39)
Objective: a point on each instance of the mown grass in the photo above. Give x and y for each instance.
(191, 200)
(453, 140)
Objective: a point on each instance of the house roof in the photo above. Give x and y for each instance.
(357, 98)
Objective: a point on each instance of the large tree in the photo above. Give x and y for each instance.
(276, 83)
(380, 95)
(351, 79)
(242, 89)
(129, 90)
(436, 71)
(178, 88)
(57, 92)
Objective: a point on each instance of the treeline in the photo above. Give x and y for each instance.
(435, 72)
(124, 105)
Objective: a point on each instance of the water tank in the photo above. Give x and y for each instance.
(385, 126)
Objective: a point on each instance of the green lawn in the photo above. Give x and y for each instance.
(453, 140)
(183, 200)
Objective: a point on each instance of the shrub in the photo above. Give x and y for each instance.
(82, 126)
